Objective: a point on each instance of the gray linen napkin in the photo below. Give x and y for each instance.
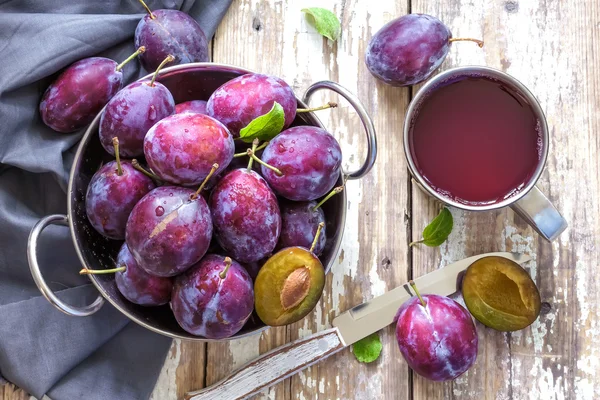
(42, 350)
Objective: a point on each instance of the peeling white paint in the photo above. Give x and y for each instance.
(166, 387)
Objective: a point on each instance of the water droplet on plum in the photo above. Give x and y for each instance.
(160, 211)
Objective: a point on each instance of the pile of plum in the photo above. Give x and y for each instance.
(200, 230)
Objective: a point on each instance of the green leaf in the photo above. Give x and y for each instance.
(438, 230)
(326, 23)
(368, 349)
(265, 127)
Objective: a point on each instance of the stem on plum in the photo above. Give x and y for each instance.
(414, 286)
(131, 57)
(147, 9)
(169, 59)
(479, 42)
(223, 274)
(319, 229)
(86, 271)
(215, 166)
(261, 162)
(335, 191)
(245, 153)
(115, 142)
(149, 174)
(331, 104)
(252, 150)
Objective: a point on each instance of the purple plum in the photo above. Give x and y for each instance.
(407, 50)
(169, 230)
(165, 32)
(438, 340)
(138, 286)
(194, 106)
(299, 224)
(214, 298)
(112, 195)
(79, 93)
(237, 102)
(182, 148)
(309, 159)
(131, 113)
(245, 215)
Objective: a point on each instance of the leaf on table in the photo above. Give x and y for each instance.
(438, 230)
(265, 127)
(368, 349)
(325, 22)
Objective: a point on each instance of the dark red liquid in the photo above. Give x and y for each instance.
(476, 141)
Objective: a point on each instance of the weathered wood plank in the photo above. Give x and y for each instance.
(547, 46)
(11, 392)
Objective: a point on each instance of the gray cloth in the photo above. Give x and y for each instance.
(42, 350)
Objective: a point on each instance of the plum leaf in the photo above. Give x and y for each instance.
(368, 349)
(325, 22)
(438, 230)
(265, 127)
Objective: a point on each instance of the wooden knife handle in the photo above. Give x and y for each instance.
(273, 367)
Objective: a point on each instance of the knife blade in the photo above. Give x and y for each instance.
(349, 327)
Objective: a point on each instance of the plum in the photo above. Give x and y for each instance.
(111, 195)
(169, 230)
(436, 336)
(80, 91)
(237, 102)
(132, 112)
(299, 223)
(245, 215)
(408, 49)
(214, 298)
(182, 148)
(173, 32)
(309, 160)
(289, 285)
(195, 106)
(138, 286)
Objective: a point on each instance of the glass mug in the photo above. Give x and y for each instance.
(529, 202)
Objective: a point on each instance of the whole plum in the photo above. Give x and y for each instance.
(173, 32)
(245, 215)
(138, 286)
(182, 148)
(195, 106)
(131, 113)
(309, 159)
(169, 230)
(299, 224)
(237, 102)
(438, 340)
(111, 195)
(214, 298)
(408, 49)
(79, 93)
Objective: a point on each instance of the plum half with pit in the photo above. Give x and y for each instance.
(436, 336)
(80, 91)
(408, 49)
(182, 148)
(192, 106)
(237, 102)
(169, 230)
(170, 32)
(308, 160)
(246, 215)
(111, 195)
(214, 298)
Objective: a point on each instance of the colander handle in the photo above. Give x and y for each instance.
(362, 114)
(32, 244)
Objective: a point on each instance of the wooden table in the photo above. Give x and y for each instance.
(552, 47)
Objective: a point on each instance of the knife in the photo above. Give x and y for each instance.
(348, 328)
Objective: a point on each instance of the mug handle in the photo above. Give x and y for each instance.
(536, 209)
(34, 267)
(364, 118)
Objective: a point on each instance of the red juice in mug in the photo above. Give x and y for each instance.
(476, 141)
